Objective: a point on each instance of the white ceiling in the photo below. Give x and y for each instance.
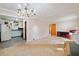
(47, 11)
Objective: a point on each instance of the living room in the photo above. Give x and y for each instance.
(51, 24)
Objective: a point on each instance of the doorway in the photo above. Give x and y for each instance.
(53, 29)
(11, 33)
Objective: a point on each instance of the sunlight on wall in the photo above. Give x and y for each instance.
(69, 23)
(67, 18)
(35, 32)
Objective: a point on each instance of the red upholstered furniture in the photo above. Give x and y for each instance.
(68, 36)
(64, 34)
(73, 31)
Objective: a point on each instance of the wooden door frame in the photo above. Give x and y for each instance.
(0, 33)
(25, 30)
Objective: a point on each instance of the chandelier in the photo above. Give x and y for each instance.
(26, 12)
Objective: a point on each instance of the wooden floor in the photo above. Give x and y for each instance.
(25, 49)
(31, 50)
(11, 42)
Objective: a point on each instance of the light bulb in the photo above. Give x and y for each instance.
(34, 10)
(19, 6)
(25, 4)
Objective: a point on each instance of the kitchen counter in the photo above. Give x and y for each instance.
(15, 33)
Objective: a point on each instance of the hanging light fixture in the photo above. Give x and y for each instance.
(26, 12)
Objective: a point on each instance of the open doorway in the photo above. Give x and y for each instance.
(11, 31)
(16, 28)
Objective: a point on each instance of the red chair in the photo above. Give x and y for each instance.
(68, 36)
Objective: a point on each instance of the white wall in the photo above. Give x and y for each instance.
(40, 29)
(5, 32)
(37, 30)
(7, 12)
(20, 24)
(68, 25)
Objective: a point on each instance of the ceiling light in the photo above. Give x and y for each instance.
(26, 12)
